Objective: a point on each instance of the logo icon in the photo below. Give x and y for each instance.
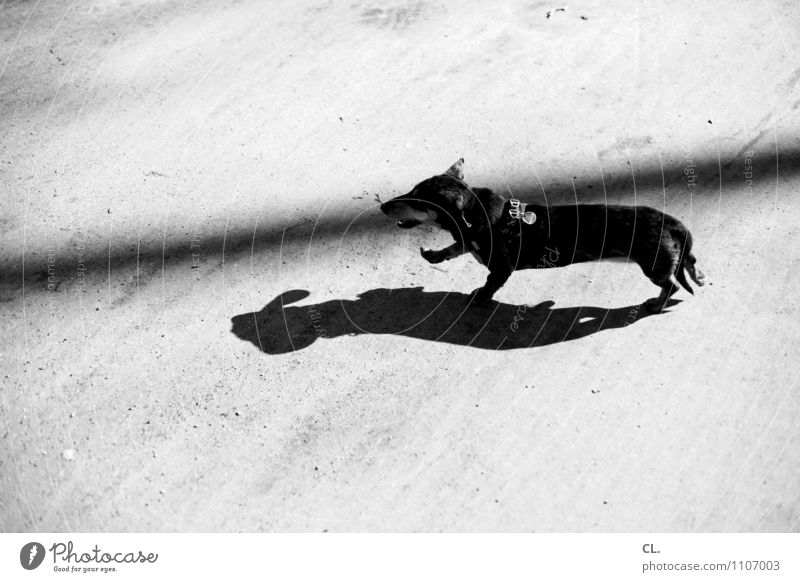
(31, 555)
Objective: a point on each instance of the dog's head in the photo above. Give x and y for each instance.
(436, 200)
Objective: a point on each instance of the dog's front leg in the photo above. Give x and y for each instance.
(496, 279)
(451, 252)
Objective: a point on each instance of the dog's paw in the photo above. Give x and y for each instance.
(701, 278)
(431, 256)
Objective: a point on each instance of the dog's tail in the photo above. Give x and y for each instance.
(687, 261)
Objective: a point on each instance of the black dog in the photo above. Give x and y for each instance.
(506, 235)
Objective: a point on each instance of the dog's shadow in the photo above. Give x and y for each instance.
(434, 316)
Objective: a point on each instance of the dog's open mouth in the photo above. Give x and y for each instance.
(408, 223)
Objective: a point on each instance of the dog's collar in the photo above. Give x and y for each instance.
(516, 210)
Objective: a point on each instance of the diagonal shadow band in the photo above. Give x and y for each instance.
(438, 316)
(616, 186)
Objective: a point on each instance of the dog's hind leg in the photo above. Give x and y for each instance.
(657, 304)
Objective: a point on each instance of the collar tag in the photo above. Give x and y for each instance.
(517, 212)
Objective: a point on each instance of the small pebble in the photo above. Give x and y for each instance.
(68, 454)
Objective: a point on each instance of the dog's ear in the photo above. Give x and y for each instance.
(456, 170)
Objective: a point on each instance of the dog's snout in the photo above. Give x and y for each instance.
(392, 207)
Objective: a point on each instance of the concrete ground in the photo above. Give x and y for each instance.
(207, 324)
